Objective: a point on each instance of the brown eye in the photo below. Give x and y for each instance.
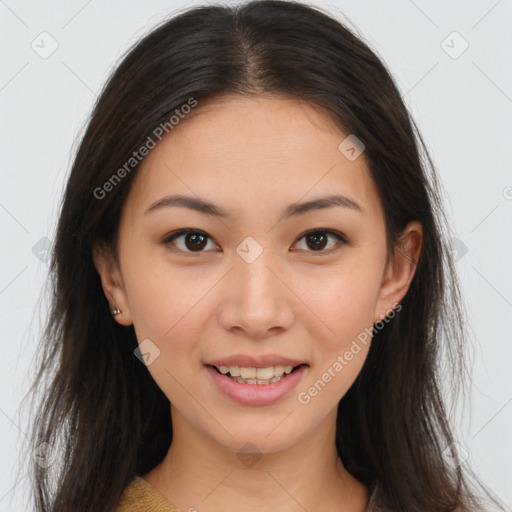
(317, 241)
(188, 240)
(195, 241)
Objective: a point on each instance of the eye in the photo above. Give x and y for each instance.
(194, 240)
(317, 240)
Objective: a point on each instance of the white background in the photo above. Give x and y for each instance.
(463, 107)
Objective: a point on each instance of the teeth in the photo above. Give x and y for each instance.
(256, 373)
(248, 373)
(256, 381)
(234, 371)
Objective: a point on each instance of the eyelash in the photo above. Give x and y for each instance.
(342, 240)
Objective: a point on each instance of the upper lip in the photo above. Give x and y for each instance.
(262, 361)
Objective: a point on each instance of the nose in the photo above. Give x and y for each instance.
(257, 300)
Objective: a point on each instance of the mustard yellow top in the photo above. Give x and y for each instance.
(141, 496)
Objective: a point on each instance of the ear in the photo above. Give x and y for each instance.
(112, 283)
(400, 270)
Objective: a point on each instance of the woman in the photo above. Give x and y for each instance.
(251, 283)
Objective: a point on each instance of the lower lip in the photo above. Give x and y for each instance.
(256, 394)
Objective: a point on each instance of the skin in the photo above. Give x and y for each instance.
(254, 156)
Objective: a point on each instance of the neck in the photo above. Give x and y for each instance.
(198, 473)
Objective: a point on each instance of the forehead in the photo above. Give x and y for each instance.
(235, 149)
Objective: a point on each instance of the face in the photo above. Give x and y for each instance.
(255, 281)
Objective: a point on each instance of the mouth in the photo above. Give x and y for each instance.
(256, 376)
(256, 385)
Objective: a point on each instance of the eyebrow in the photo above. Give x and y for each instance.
(295, 209)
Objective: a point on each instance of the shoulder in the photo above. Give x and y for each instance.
(141, 495)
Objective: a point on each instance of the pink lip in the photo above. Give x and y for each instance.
(256, 394)
(263, 361)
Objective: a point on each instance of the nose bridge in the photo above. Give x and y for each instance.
(258, 277)
(258, 298)
(255, 268)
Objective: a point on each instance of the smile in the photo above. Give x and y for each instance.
(253, 390)
(251, 375)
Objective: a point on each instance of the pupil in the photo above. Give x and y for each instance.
(198, 241)
(318, 238)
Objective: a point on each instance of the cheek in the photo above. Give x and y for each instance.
(349, 315)
(161, 296)
(173, 321)
(341, 331)
(168, 309)
(344, 302)
(340, 352)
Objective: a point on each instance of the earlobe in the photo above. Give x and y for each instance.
(112, 284)
(400, 269)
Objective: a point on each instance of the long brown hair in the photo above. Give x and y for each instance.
(101, 407)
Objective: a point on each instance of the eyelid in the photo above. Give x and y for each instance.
(329, 231)
(342, 239)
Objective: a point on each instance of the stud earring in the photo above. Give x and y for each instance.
(115, 312)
